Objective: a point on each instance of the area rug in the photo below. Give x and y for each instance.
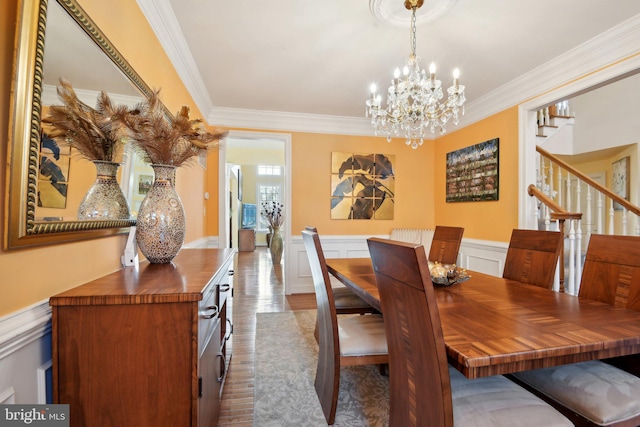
(285, 365)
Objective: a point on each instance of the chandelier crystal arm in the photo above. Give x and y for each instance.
(414, 104)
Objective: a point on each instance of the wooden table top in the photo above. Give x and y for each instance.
(495, 326)
(181, 280)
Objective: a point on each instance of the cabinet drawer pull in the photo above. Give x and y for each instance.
(223, 367)
(231, 272)
(224, 287)
(212, 315)
(229, 330)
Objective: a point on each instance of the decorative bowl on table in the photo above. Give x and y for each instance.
(447, 274)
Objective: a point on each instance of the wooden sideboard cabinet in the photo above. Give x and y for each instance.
(146, 346)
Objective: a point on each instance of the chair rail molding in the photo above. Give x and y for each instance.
(25, 347)
(478, 255)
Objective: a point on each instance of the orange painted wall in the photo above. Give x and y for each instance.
(29, 276)
(492, 220)
(311, 185)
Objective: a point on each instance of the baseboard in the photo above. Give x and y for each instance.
(203, 242)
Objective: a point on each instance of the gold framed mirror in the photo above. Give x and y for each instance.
(24, 225)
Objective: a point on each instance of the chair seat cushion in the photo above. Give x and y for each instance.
(362, 335)
(599, 392)
(496, 401)
(345, 298)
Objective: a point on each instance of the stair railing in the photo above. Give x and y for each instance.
(560, 189)
(554, 213)
(566, 174)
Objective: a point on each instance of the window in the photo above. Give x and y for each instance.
(267, 193)
(269, 170)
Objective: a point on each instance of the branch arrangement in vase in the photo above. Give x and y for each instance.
(168, 141)
(273, 213)
(100, 133)
(96, 133)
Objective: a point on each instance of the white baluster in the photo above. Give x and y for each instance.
(578, 257)
(547, 218)
(611, 212)
(568, 202)
(578, 274)
(547, 120)
(589, 213)
(600, 208)
(572, 261)
(550, 194)
(624, 221)
(559, 199)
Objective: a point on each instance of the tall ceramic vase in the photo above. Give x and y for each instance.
(161, 224)
(276, 246)
(104, 200)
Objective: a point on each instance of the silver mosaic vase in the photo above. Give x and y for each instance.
(276, 246)
(105, 199)
(161, 224)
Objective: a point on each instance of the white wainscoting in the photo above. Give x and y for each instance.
(478, 255)
(25, 350)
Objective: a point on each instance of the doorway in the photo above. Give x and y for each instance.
(242, 150)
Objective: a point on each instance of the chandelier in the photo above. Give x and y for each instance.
(414, 100)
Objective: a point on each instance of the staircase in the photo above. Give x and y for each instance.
(573, 203)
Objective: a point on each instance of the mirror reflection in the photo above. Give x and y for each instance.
(54, 39)
(64, 177)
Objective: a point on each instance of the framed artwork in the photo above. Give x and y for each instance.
(143, 183)
(472, 173)
(362, 186)
(620, 180)
(53, 173)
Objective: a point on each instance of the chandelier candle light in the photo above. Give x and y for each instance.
(413, 100)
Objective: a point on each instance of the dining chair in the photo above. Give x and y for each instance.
(346, 301)
(342, 340)
(445, 244)
(596, 393)
(532, 257)
(425, 390)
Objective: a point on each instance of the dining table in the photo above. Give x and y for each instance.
(493, 325)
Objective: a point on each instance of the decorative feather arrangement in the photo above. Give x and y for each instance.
(96, 133)
(168, 141)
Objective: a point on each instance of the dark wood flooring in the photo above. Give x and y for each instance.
(258, 288)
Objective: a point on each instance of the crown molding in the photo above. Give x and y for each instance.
(90, 97)
(588, 60)
(296, 122)
(164, 23)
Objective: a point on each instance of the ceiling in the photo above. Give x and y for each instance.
(282, 59)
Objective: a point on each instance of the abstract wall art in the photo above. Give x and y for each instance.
(472, 173)
(362, 186)
(53, 173)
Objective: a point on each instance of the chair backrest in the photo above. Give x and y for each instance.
(445, 244)
(327, 320)
(418, 369)
(611, 272)
(532, 257)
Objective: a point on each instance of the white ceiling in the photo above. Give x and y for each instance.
(317, 59)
